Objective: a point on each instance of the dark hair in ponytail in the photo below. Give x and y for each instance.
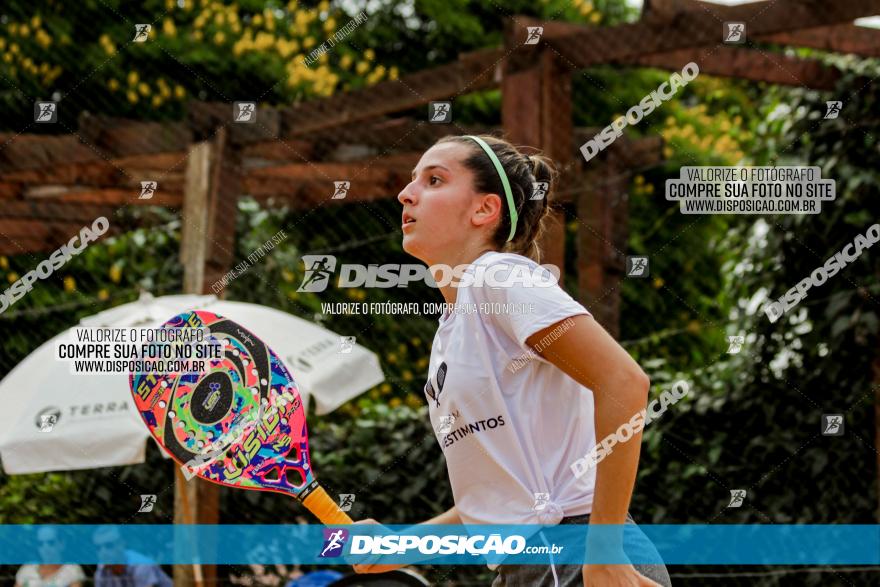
(522, 171)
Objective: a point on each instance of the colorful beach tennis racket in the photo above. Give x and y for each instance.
(240, 422)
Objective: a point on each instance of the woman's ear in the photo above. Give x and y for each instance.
(488, 209)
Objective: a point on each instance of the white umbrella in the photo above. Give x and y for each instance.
(95, 424)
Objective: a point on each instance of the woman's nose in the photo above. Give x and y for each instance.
(405, 196)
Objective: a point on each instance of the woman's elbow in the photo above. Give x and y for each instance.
(646, 381)
(641, 384)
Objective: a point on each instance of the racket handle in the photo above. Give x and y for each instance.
(325, 509)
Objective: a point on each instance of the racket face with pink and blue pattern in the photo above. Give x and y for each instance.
(212, 420)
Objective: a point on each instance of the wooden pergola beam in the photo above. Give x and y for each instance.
(46, 235)
(123, 137)
(171, 200)
(369, 170)
(44, 225)
(309, 184)
(89, 172)
(55, 212)
(402, 134)
(473, 71)
(205, 118)
(837, 38)
(103, 138)
(31, 245)
(372, 178)
(298, 184)
(582, 46)
(44, 159)
(127, 172)
(41, 151)
(843, 38)
(748, 64)
(311, 194)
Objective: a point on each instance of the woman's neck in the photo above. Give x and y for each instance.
(450, 291)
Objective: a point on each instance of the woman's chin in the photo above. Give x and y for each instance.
(412, 246)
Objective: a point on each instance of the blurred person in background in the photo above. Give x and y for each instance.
(138, 570)
(50, 547)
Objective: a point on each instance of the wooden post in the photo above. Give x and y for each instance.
(601, 255)
(536, 111)
(213, 183)
(206, 248)
(194, 217)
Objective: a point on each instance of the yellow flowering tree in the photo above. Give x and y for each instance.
(93, 57)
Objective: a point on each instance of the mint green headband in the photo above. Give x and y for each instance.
(510, 204)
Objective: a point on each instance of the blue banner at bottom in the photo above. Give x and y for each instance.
(690, 544)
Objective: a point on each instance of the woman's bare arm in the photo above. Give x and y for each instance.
(590, 356)
(450, 516)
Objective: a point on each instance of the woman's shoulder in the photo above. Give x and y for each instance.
(512, 270)
(497, 257)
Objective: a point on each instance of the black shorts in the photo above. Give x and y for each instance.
(553, 575)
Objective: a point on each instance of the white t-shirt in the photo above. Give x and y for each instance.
(29, 576)
(518, 426)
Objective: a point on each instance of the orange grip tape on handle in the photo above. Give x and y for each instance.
(326, 510)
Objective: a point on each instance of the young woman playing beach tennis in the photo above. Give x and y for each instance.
(518, 396)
